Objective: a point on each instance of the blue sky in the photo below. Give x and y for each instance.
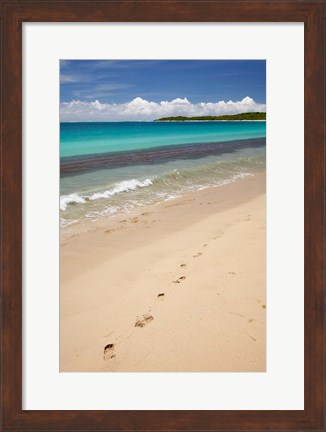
(197, 80)
(113, 90)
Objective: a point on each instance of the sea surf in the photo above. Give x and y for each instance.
(111, 168)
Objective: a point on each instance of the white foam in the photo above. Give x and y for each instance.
(73, 198)
(66, 222)
(131, 185)
(124, 186)
(106, 212)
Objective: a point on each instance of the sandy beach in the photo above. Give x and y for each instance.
(175, 287)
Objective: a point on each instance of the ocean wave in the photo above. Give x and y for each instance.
(124, 195)
(124, 186)
(74, 198)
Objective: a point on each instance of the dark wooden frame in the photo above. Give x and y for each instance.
(14, 13)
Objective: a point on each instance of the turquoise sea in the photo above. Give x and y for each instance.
(110, 168)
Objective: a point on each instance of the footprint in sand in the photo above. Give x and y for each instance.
(218, 235)
(180, 203)
(108, 352)
(204, 245)
(107, 335)
(250, 320)
(146, 319)
(181, 278)
(264, 306)
(111, 230)
(183, 265)
(198, 254)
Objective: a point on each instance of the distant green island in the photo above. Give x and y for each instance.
(243, 116)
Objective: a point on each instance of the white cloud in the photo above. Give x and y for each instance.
(141, 109)
(69, 78)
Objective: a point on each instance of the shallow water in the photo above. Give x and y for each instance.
(98, 180)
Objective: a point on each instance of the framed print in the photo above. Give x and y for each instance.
(162, 217)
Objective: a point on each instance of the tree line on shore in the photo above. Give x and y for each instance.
(243, 116)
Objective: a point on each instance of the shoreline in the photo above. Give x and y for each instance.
(83, 225)
(112, 221)
(189, 271)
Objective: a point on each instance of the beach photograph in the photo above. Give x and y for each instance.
(162, 215)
